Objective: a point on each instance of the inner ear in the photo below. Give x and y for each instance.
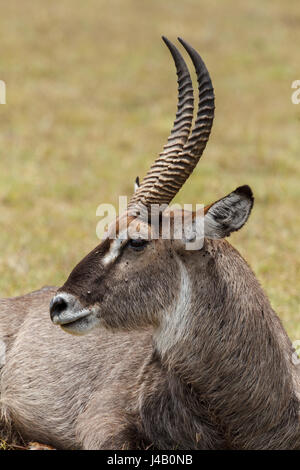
(136, 184)
(228, 214)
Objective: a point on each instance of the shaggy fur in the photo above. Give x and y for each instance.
(188, 353)
(224, 379)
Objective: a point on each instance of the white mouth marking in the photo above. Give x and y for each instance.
(76, 319)
(74, 311)
(81, 326)
(70, 316)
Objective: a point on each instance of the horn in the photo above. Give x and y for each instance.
(181, 126)
(169, 172)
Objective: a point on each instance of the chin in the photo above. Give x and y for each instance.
(82, 326)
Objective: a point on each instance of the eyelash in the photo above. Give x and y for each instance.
(138, 244)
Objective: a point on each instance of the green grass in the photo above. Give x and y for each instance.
(91, 95)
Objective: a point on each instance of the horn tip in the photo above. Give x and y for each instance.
(185, 44)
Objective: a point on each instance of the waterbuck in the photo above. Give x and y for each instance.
(184, 350)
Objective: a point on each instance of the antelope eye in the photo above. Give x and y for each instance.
(138, 244)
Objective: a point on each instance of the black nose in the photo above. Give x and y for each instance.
(57, 305)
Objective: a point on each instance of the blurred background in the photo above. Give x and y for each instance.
(91, 97)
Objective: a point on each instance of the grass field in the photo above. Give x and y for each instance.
(91, 96)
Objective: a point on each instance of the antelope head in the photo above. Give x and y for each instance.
(132, 281)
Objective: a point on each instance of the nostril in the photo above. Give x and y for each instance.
(57, 305)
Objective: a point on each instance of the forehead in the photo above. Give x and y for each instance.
(126, 226)
(173, 220)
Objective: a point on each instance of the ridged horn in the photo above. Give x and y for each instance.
(181, 127)
(165, 178)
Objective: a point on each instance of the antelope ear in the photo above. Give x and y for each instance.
(136, 184)
(228, 214)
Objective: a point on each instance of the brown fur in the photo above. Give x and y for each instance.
(188, 353)
(228, 382)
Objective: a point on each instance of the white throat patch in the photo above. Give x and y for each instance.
(174, 324)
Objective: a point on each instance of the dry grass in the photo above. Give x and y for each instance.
(90, 100)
